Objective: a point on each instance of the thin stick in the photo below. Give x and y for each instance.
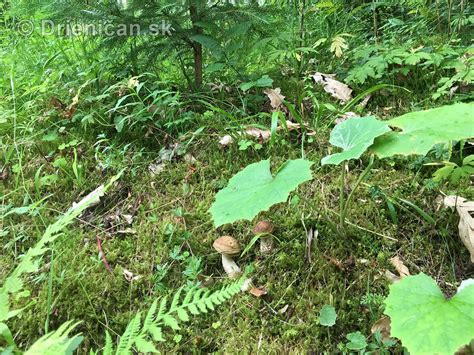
(102, 255)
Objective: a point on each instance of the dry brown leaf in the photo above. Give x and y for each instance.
(129, 276)
(382, 325)
(465, 209)
(226, 140)
(258, 291)
(399, 266)
(258, 133)
(275, 96)
(334, 87)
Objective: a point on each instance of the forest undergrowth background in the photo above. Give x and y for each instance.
(154, 125)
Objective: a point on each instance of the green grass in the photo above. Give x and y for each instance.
(177, 199)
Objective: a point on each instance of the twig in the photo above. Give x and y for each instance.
(102, 255)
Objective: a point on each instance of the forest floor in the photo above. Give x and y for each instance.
(156, 235)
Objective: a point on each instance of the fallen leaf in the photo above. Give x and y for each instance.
(383, 326)
(465, 209)
(128, 218)
(189, 159)
(399, 266)
(283, 309)
(246, 285)
(275, 96)
(127, 231)
(5, 173)
(226, 140)
(258, 133)
(156, 169)
(258, 291)
(129, 276)
(337, 89)
(56, 103)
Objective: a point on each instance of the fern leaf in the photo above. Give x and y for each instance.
(171, 322)
(109, 346)
(145, 346)
(183, 315)
(176, 298)
(156, 333)
(129, 336)
(149, 317)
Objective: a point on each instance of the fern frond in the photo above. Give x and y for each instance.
(129, 336)
(196, 301)
(57, 342)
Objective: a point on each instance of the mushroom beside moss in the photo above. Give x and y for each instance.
(228, 247)
(264, 229)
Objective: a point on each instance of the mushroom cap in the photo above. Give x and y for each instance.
(227, 245)
(263, 227)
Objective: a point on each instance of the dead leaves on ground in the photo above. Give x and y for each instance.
(465, 210)
(338, 90)
(261, 135)
(275, 96)
(400, 267)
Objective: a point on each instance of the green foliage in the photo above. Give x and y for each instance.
(354, 136)
(30, 263)
(327, 316)
(454, 172)
(447, 65)
(143, 335)
(425, 321)
(58, 342)
(356, 342)
(254, 190)
(421, 130)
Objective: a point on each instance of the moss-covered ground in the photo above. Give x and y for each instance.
(169, 242)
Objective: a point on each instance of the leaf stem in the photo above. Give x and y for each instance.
(361, 178)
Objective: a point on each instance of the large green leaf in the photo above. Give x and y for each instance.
(354, 136)
(254, 190)
(423, 129)
(425, 321)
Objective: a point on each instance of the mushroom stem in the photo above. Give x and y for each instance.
(230, 267)
(266, 244)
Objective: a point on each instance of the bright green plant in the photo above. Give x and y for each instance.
(357, 341)
(254, 190)
(420, 131)
(327, 316)
(142, 335)
(354, 136)
(453, 172)
(425, 321)
(30, 263)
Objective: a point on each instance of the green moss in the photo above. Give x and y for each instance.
(284, 320)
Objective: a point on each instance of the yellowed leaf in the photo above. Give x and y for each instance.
(399, 266)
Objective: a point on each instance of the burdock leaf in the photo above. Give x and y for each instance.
(421, 130)
(425, 321)
(254, 190)
(354, 136)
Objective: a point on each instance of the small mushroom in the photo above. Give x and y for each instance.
(228, 247)
(264, 229)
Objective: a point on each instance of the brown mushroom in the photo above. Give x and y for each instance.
(264, 229)
(228, 247)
